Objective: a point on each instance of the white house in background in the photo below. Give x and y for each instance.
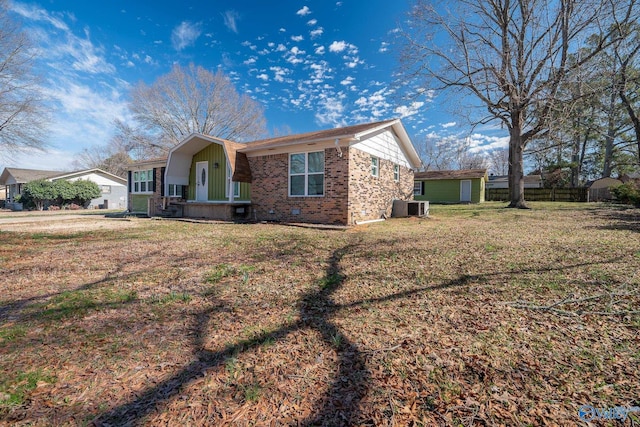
(114, 188)
(502, 181)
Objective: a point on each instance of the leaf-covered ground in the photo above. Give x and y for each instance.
(478, 315)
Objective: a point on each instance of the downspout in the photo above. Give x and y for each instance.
(368, 221)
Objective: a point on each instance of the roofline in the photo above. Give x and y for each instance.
(69, 174)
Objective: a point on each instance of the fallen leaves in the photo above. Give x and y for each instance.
(399, 323)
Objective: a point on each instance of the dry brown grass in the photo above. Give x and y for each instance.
(477, 316)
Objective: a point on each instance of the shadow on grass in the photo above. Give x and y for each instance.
(340, 406)
(620, 217)
(349, 386)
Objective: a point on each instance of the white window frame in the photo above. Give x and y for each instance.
(375, 166)
(396, 172)
(417, 185)
(177, 190)
(136, 182)
(236, 185)
(306, 174)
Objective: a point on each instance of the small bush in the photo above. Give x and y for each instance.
(627, 193)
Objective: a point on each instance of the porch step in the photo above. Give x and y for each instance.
(172, 211)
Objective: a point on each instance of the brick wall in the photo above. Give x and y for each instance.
(270, 191)
(351, 192)
(370, 197)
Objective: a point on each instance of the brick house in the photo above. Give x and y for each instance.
(336, 176)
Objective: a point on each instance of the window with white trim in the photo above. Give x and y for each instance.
(306, 174)
(375, 166)
(396, 172)
(236, 185)
(175, 190)
(417, 188)
(143, 181)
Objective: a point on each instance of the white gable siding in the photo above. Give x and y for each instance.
(385, 146)
(98, 179)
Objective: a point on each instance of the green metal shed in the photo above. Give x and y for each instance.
(450, 186)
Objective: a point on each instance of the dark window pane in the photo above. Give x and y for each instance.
(297, 185)
(316, 185)
(297, 163)
(316, 162)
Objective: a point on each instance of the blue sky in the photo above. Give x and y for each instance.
(311, 64)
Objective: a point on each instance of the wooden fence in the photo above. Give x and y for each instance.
(541, 194)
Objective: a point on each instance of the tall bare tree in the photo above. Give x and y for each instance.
(193, 99)
(23, 117)
(627, 53)
(104, 157)
(511, 56)
(499, 161)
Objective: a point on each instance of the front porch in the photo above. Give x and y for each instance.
(225, 211)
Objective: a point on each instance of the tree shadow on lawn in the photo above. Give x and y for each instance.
(620, 218)
(14, 309)
(351, 382)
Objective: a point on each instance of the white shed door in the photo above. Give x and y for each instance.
(202, 181)
(465, 191)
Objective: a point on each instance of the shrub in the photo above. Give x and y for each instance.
(627, 193)
(37, 193)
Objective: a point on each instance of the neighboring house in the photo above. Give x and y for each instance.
(114, 188)
(336, 176)
(459, 186)
(502, 181)
(14, 178)
(600, 189)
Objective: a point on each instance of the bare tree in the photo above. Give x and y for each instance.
(628, 55)
(193, 99)
(510, 55)
(107, 158)
(499, 161)
(437, 153)
(22, 115)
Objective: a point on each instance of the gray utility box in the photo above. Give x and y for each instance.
(405, 208)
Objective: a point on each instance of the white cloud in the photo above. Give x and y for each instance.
(280, 73)
(384, 46)
(409, 110)
(263, 76)
(252, 60)
(312, 22)
(316, 33)
(337, 47)
(304, 11)
(347, 81)
(58, 50)
(448, 125)
(297, 38)
(35, 13)
(230, 17)
(185, 35)
(330, 111)
(320, 50)
(292, 55)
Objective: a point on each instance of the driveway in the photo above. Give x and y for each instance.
(56, 221)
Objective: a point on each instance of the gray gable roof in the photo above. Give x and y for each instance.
(22, 176)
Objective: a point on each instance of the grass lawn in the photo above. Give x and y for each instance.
(479, 315)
